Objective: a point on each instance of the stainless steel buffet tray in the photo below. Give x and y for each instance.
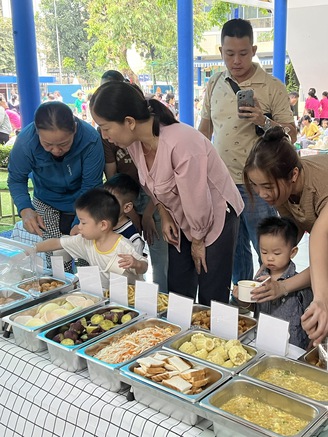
(291, 368)
(64, 356)
(26, 336)
(175, 404)
(249, 322)
(103, 373)
(174, 345)
(314, 414)
(17, 298)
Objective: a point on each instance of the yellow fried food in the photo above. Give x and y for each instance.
(187, 347)
(219, 342)
(215, 358)
(194, 338)
(221, 351)
(201, 354)
(202, 342)
(229, 344)
(237, 355)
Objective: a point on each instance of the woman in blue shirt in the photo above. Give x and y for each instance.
(64, 158)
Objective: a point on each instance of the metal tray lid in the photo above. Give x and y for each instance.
(88, 352)
(216, 377)
(315, 414)
(47, 335)
(33, 310)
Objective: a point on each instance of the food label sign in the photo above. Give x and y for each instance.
(224, 320)
(180, 310)
(146, 297)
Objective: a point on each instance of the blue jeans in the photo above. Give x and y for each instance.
(253, 213)
(159, 249)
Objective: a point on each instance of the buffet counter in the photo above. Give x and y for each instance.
(40, 399)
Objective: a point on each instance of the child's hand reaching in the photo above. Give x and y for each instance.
(127, 261)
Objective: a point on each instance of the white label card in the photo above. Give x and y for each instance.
(224, 320)
(90, 281)
(272, 335)
(180, 310)
(146, 297)
(57, 266)
(118, 289)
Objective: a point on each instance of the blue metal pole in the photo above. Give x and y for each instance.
(279, 45)
(199, 72)
(236, 13)
(185, 60)
(26, 59)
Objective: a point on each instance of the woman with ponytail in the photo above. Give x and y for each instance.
(197, 200)
(297, 187)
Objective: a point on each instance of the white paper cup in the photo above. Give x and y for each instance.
(245, 288)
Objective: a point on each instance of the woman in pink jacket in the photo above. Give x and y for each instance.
(196, 197)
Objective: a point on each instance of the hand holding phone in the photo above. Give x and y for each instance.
(244, 98)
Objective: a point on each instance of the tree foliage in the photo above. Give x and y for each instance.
(96, 35)
(150, 26)
(7, 57)
(292, 82)
(72, 17)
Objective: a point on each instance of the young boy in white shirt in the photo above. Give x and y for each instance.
(97, 243)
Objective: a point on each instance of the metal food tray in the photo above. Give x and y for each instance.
(186, 336)
(315, 414)
(26, 336)
(216, 377)
(66, 286)
(167, 401)
(104, 374)
(271, 361)
(18, 296)
(131, 299)
(251, 322)
(311, 358)
(65, 356)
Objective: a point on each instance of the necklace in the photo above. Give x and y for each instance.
(146, 154)
(153, 143)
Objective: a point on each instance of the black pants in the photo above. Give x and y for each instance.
(4, 138)
(215, 284)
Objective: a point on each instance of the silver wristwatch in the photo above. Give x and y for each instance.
(267, 124)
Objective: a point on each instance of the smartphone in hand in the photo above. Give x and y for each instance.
(244, 98)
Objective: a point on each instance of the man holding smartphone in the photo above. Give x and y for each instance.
(236, 128)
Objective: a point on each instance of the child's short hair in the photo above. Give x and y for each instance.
(124, 185)
(100, 204)
(282, 226)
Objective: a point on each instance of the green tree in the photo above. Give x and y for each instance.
(72, 16)
(7, 57)
(148, 25)
(292, 82)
